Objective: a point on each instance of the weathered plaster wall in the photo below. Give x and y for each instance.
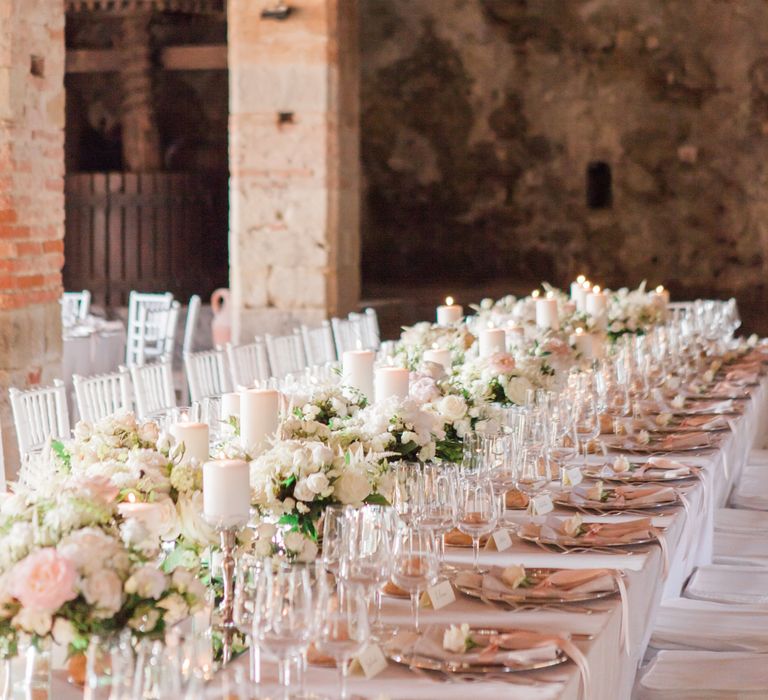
(480, 118)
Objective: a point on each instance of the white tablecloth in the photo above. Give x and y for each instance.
(689, 538)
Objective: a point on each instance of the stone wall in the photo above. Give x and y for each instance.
(482, 118)
(31, 198)
(293, 157)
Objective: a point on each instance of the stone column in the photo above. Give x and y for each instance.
(294, 164)
(141, 139)
(31, 199)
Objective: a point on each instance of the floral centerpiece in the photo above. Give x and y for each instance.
(68, 571)
(415, 339)
(631, 311)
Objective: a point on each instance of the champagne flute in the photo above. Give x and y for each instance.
(478, 512)
(414, 565)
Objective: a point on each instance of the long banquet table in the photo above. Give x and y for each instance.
(688, 535)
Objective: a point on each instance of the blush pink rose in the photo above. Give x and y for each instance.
(556, 346)
(44, 580)
(97, 487)
(501, 363)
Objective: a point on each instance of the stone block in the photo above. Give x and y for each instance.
(297, 287)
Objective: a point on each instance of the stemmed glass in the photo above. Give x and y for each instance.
(249, 606)
(586, 424)
(478, 512)
(408, 492)
(440, 510)
(414, 565)
(343, 631)
(286, 627)
(333, 520)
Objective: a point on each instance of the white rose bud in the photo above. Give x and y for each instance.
(513, 575)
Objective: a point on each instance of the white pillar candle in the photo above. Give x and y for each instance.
(660, 298)
(492, 340)
(391, 381)
(357, 371)
(579, 295)
(195, 438)
(584, 343)
(597, 307)
(230, 406)
(449, 313)
(226, 492)
(259, 419)
(546, 313)
(440, 356)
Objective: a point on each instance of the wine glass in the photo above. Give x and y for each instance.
(343, 630)
(414, 565)
(286, 627)
(440, 509)
(478, 512)
(586, 423)
(333, 520)
(249, 606)
(408, 491)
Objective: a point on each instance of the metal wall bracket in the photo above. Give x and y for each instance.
(279, 11)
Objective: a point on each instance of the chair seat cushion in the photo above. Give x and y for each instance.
(746, 585)
(739, 548)
(703, 675)
(741, 520)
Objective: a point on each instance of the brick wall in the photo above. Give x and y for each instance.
(31, 198)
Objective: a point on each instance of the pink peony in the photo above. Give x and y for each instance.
(44, 580)
(501, 363)
(423, 388)
(556, 346)
(97, 487)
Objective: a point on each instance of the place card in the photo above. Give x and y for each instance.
(438, 596)
(371, 661)
(540, 504)
(572, 476)
(499, 541)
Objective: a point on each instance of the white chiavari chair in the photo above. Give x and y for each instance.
(286, 354)
(102, 395)
(207, 373)
(370, 328)
(38, 415)
(248, 363)
(153, 388)
(188, 343)
(75, 307)
(347, 334)
(151, 327)
(696, 675)
(318, 344)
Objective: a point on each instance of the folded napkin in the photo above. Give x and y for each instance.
(558, 583)
(682, 441)
(517, 648)
(668, 468)
(720, 406)
(742, 377)
(626, 531)
(704, 675)
(643, 495)
(747, 585)
(705, 422)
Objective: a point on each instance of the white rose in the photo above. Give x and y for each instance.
(262, 548)
(266, 531)
(175, 607)
(33, 621)
(455, 638)
(351, 488)
(104, 591)
(318, 482)
(663, 419)
(452, 408)
(595, 493)
(643, 437)
(186, 582)
(146, 582)
(149, 432)
(322, 454)
(409, 436)
(302, 492)
(63, 632)
(678, 401)
(620, 465)
(294, 541)
(191, 523)
(517, 390)
(513, 575)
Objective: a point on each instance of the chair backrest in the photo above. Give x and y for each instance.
(286, 354)
(102, 395)
(318, 344)
(149, 323)
(75, 306)
(39, 414)
(248, 363)
(153, 387)
(371, 330)
(193, 313)
(347, 334)
(207, 374)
